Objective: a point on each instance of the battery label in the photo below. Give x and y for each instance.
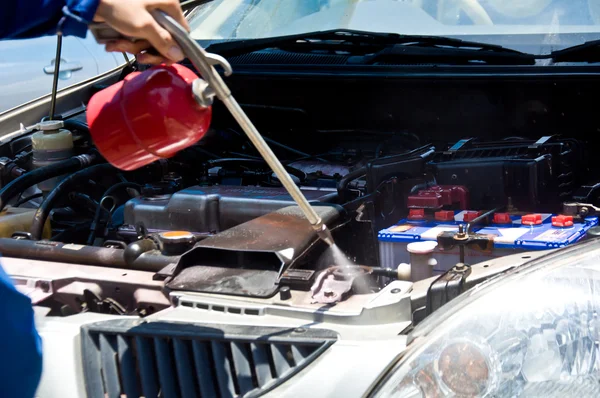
(556, 235)
(509, 235)
(401, 228)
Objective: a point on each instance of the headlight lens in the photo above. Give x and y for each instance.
(533, 333)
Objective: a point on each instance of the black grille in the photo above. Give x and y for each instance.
(125, 358)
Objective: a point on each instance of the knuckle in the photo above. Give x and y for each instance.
(142, 25)
(166, 38)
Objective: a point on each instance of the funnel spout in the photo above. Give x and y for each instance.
(324, 234)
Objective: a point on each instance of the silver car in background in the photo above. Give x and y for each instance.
(27, 65)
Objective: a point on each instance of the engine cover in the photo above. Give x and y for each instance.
(211, 209)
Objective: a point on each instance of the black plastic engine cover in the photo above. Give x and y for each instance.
(249, 259)
(534, 175)
(212, 209)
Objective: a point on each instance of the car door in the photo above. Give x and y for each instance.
(105, 61)
(26, 67)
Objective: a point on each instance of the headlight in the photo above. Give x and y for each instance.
(532, 333)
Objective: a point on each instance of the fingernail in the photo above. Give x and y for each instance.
(175, 53)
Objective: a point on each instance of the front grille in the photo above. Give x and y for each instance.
(126, 358)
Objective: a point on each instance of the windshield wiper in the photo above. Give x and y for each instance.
(373, 47)
(187, 5)
(586, 52)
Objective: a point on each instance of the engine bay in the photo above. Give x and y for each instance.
(413, 185)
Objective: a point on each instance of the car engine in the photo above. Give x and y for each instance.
(215, 219)
(424, 198)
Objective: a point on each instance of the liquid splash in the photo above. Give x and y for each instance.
(338, 257)
(334, 256)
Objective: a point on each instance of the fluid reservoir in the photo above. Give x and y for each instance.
(421, 259)
(16, 219)
(51, 144)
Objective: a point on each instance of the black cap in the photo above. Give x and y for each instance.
(285, 293)
(159, 189)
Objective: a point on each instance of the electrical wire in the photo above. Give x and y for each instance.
(41, 215)
(35, 176)
(76, 229)
(312, 157)
(243, 155)
(290, 149)
(242, 161)
(96, 220)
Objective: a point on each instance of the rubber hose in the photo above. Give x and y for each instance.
(82, 201)
(110, 190)
(347, 179)
(135, 249)
(41, 215)
(152, 261)
(18, 185)
(74, 124)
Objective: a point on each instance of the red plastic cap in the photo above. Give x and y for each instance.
(502, 218)
(425, 200)
(471, 215)
(439, 196)
(416, 214)
(444, 215)
(531, 219)
(453, 195)
(562, 221)
(147, 116)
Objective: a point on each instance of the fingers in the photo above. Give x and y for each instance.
(160, 39)
(149, 59)
(126, 46)
(138, 48)
(133, 18)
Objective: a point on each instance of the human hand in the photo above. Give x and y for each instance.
(133, 18)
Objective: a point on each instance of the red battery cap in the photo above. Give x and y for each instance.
(416, 214)
(444, 215)
(562, 221)
(531, 219)
(502, 218)
(471, 215)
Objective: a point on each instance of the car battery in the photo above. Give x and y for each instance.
(512, 234)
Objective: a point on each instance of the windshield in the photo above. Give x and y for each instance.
(536, 26)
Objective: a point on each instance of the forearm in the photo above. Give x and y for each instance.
(20, 344)
(32, 18)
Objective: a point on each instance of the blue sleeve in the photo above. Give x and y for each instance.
(20, 344)
(21, 19)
